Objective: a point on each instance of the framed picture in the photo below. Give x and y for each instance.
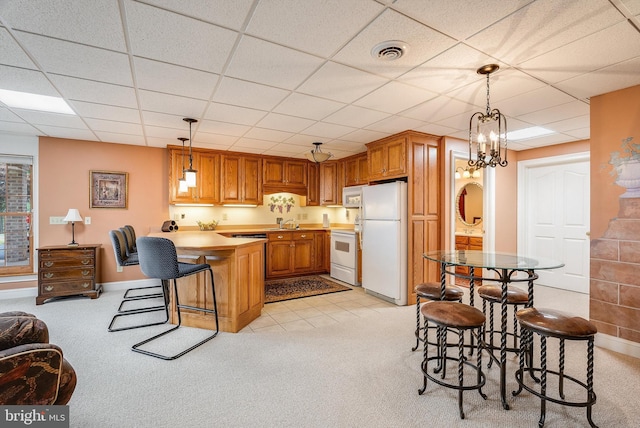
(108, 189)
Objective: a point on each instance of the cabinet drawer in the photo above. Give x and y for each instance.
(298, 236)
(53, 263)
(65, 254)
(57, 275)
(280, 236)
(464, 240)
(475, 243)
(66, 287)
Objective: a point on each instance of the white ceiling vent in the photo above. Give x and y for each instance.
(390, 50)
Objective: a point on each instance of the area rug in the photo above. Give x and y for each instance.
(277, 290)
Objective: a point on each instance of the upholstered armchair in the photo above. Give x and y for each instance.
(32, 371)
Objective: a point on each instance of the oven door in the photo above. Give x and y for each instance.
(343, 249)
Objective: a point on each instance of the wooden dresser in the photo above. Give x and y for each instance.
(68, 271)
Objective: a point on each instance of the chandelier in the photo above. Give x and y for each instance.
(488, 132)
(190, 174)
(318, 156)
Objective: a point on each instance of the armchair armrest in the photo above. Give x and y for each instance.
(19, 328)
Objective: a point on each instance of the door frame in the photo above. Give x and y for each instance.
(523, 168)
(488, 203)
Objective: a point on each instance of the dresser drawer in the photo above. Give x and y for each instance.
(70, 287)
(61, 263)
(65, 254)
(57, 275)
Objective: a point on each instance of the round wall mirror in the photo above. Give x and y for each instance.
(469, 204)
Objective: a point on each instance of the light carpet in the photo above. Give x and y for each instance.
(356, 374)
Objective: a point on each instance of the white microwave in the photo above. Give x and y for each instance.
(352, 197)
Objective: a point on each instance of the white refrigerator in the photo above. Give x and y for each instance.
(384, 241)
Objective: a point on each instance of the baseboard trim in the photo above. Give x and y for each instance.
(617, 344)
(18, 293)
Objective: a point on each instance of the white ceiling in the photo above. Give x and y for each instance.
(273, 76)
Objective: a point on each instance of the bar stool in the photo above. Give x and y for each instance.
(432, 291)
(159, 259)
(453, 316)
(550, 323)
(493, 294)
(119, 243)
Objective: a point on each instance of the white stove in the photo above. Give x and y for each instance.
(344, 256)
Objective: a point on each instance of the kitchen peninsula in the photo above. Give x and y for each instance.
(238, 270)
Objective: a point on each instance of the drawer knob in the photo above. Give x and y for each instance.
(48, 275)
(280, 236)
(48, 264)
(49, 287)
(86, 261)
(86, 272)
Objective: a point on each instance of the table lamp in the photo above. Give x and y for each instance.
(73, 215)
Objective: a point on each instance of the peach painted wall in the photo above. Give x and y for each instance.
(615, 221)
(64, 184)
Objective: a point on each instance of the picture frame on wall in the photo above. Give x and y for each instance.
(108, 189)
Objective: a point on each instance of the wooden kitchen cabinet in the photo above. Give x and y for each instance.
(240, 179)
(68, 271)
(282, 175)
(356, 170)
(321, 255)
(331, 183)
(290, 253)
(207, 163)
(387, 158)
(467, 243)
(313, 185)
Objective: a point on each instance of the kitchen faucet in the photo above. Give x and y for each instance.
(284, 223)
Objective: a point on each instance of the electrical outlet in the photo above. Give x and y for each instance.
(87, 220)
(304, 216)
(183, 216)
(176, 217)
(225, 217)
(57, 220)
(118, 268)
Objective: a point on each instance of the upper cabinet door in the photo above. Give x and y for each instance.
(241, 180)
(207, 190)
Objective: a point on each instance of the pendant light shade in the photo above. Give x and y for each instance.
(488, 132)
(317, 155)
(182, 181)
(190, 173)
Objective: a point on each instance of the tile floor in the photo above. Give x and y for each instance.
(317, 311)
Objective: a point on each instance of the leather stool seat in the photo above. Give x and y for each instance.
(448, 317)
(433, 291)
(493, 293)
(555, 324)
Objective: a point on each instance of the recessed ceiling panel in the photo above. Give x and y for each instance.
(173, 79)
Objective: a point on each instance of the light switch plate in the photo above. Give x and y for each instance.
(57, 220)
(87, 220)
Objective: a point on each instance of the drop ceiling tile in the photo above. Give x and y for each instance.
(221, 12)
(341, 83)
(536, 100)
(450, 70)
(582, 133)
(566, 125)
(109, 126)
(348, 146)
(18, 128)
(175, 80)
(267, 135)
(61, 132)
(459, 19)
(176, 39)
(35, 117)
(72, 59)
(435, 129)
(542, 26)
(208, 139)
(214, 127)
(270, 64)
(170, 135)
(611, 45)
(95, 23)
(76, 89)
(328, 130)
(395, 97)
(355, 116)
(438, 108)
(307, 106)
(559, 112)
(603, 81)
(234, 114)
(12, 53)
(164, 120)
(99, 111)
(251, 150)
(20, 79)
(111, 137)
(283, 122)
(546, 140)
(423, 43)
(395, 124)
(171, 104)
(317, 27)
(7, 115)
(259, 145)
(159, 141)
(246, 94)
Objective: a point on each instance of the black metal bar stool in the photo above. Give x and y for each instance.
(159, 259)
(432, 291)
(549, 323)
(492, 294)
(449, 316)
(154, 292)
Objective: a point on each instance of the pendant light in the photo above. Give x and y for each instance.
(488, 132)
(318, 156)
(182, 181)
(190, 174)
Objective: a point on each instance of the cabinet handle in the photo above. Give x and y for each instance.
(86, 261)
(49, 287)
(48, 275)
(85, 285)
(85, 272)
(48, 264)
(303, 236)
(280, 237)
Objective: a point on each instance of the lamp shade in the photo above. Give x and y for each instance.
(182, 185)
(316, 155)
(73, 215)
(190, 177)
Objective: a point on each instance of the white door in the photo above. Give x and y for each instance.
(555, 221)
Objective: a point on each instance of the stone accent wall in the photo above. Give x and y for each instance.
(615, 274)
